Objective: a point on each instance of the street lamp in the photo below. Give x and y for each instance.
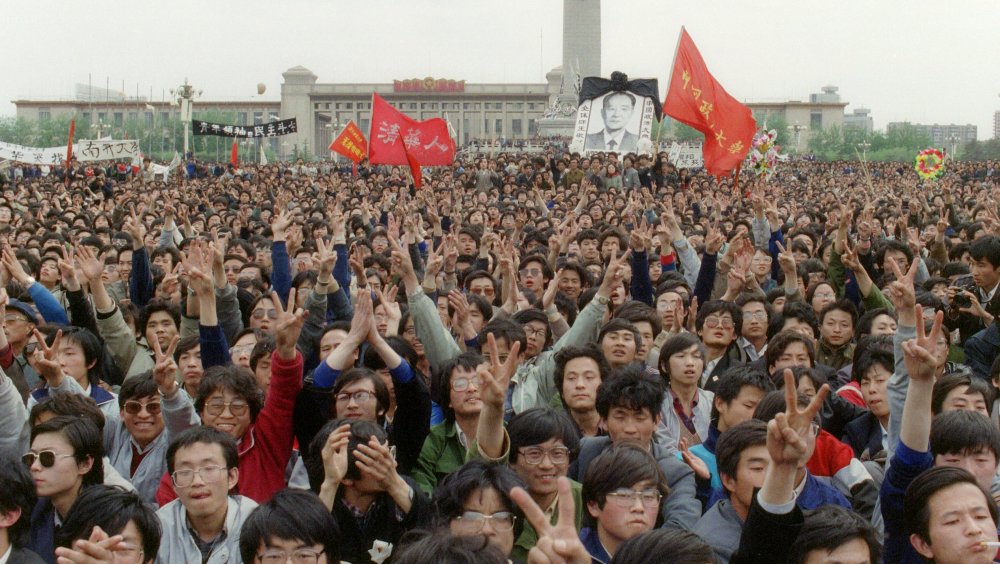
(797, 129)
(100, 127)
(954, 139)
(185, 95)
(864, 146)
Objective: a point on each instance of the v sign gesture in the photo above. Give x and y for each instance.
(559, 543)
(165, 370)
(288, 326)
(494, 381)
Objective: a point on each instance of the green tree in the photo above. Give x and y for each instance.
(684, 132)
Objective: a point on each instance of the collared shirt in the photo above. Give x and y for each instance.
(751, 350)
(987, 296)
(462, 439)
(6, 555)
(885, 437)
(206, 547)
(709, 367)
(617, 138)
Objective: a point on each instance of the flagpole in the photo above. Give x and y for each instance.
(673, 62)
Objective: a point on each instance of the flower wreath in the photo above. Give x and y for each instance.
(929, 163)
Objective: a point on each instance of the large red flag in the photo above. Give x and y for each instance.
(235, 157)
(397, 139)
(351, 143)
(697, 99)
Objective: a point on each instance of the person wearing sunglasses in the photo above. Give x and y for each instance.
(294, 525)
(136, 442)
(64, 458)
(622, 490)
(114, 511)
(203, 524)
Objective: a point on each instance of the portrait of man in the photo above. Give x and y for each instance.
(616, 112)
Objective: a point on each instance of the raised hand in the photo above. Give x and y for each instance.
(787, 432)
(559, 543)
(14, 266)
(495, 379)
(288, 325)
(549, 296)
(696, 464)
(614, 275)
(901, 291)
(98, 549)
(165, 369)
(67, 272)
(325, 256)
(45, 359)
(198, 267)
(922, 356)
(334, 454)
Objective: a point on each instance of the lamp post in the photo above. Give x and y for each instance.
(100, 127)
(185, 95)
(864, 146)
(954, 139)
(797, 129)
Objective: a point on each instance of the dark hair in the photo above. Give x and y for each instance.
(864, 325)
(774, 403)
(986, 248)
(361, 432)
(841, 305)
(963, 431)
(138, 386)
(605, 102)
(111, 508)
(507, 330)
(441, 381)
(777, 345)
(677, 344)
(85, 439)
(156, 305)
(916, 503)
(830, 527)
(526, 316)
(719, 306)
(70, 404)
(734, 379)
(537, 425)
(621, 465)
(684, 547)
(566, 354)
(206, 435)
(970, 384)
(632, 389)
(18, 494)
(637, 312)
(869, 357)
(444, 547)
(237, 380)
(800, 311)
(476, 475)
(186, 344)
(733, 441)
(353, 375)
(94, 352)
(619, 324)
(290, 514)
(893, 245)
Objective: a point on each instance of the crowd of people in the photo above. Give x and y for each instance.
(536, 358)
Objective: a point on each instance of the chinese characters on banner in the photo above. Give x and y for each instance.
(270, 129)
(685, 156)
(84, 151)
(397, 139)
(698, 100)
(351, 143)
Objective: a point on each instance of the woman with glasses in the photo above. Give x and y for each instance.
(687, 409)
(622, 490)
(114, 511)
(475, 500)
(65, 457)
(293, 525)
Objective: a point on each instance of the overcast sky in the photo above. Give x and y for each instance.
(917, 60)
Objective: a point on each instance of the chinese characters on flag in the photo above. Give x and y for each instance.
(351, 143)
(696, 99)
(397, 139)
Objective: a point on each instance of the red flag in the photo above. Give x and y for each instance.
(397, 139)
(235, 157)
(69, 147)
(696, 99)
(351, 143)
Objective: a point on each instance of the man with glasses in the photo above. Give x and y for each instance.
(136, 443)
(203, 524)
(475, 500)
(718, 324)
(294, 525)
(18, 330)
(756, 318)
(534, 274)
(622, 490)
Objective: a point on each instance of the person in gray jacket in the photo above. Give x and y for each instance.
(629, 401)
(203, 524)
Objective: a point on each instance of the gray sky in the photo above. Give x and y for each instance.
(917, 60)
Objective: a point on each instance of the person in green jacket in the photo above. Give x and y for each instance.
(455, 387)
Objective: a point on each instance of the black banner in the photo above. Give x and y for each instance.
(270, 129)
